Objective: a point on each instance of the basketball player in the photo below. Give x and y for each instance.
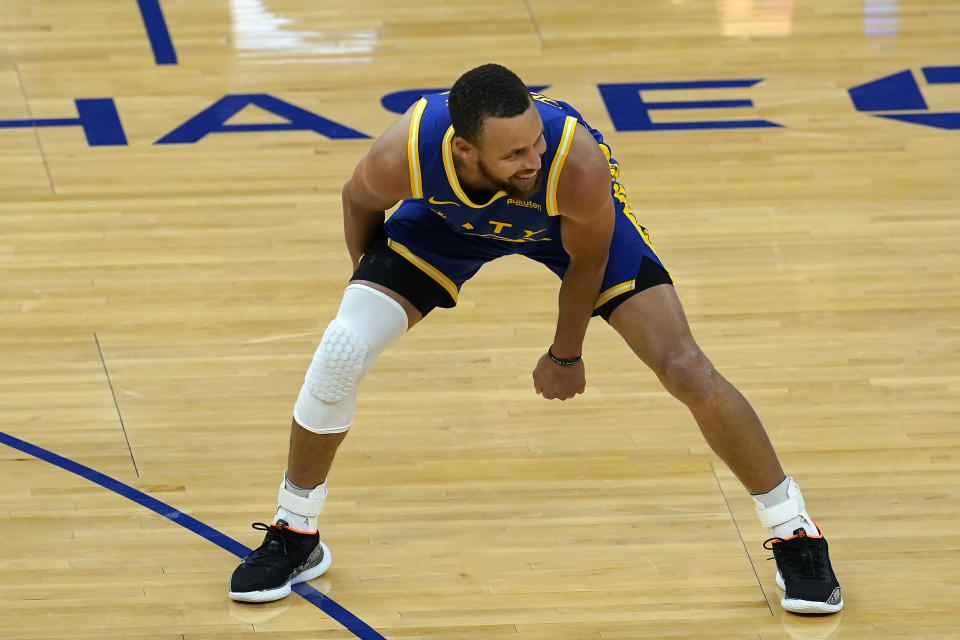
(484, 171)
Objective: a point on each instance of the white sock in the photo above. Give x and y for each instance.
(299, 507)
(783, 510)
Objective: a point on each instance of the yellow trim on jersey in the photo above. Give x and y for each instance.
(426, 267)
(614, 166)
(612, 292)
(539, 97)
(553, 178)
(413, 149)
(452, 174)
(620, 193)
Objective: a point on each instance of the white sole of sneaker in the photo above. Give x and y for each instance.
(806, 606)
(269, 595)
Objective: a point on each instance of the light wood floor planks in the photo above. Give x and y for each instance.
(159, 304)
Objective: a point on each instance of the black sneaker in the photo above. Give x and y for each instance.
(286, 557)
(805, 574)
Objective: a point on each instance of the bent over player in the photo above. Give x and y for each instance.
(484, 171)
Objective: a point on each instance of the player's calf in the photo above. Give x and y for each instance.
(291, 552)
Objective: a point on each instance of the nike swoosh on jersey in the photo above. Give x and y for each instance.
(433, 200)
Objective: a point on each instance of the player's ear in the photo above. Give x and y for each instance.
(464, 148)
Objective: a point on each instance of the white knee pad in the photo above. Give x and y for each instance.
(367, 322)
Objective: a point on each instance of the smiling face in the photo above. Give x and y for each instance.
(508, 152)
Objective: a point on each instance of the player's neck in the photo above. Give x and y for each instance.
(470, 178)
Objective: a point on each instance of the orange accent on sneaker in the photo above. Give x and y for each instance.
(803, 533)
(292, 529)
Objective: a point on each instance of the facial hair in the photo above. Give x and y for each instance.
(511, 190)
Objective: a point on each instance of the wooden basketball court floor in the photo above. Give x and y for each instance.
(159, 304)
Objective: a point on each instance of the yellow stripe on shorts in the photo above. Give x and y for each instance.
(426, 267)
(614, 291)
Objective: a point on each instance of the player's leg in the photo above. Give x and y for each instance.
(411, 267)
(386, 296)
(637, 298)
(311, 452)
(639, 301)
(653, 324)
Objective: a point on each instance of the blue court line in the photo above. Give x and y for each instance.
(157, 31)
(352, 623)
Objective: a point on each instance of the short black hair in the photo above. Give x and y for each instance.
(488, 91)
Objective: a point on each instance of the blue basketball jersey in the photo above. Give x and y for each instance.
(433, 177)
(449, 237)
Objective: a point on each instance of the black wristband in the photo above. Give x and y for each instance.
(561, 361)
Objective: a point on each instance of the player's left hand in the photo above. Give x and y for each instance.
(557, 381)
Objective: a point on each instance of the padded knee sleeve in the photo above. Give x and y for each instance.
(367, 322)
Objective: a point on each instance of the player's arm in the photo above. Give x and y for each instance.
(381, 180)
(586, 226)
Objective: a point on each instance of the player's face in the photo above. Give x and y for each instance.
(510, 150)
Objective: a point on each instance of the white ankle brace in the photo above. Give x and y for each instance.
(792, 512)
(301, 513)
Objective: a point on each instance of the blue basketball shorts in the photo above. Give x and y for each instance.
(422, 258)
